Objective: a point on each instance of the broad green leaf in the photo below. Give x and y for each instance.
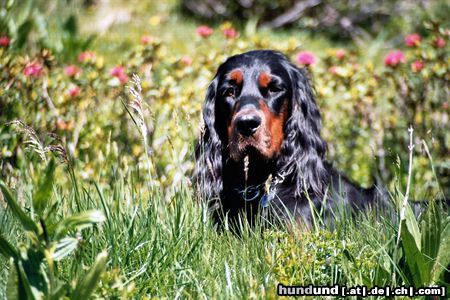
(79, 221)
(44, 191)
(22, 217)
(32, 267)
(413, 226)
(24, 11)
(87, 284)
(443, 255)
(22, 34)
(32, 293)
(414, 257)
(6, 249)
(431, 234)
(18, 286)
(71, 25)
(65, 247)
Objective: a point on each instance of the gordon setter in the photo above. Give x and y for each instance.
(261, 148)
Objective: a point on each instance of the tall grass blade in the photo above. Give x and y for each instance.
(21, 216)
(443, 255)
(44, 191)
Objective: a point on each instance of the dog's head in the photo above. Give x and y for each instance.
(253, 102)
(262, 106)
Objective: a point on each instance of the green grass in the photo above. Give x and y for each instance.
(169, 247)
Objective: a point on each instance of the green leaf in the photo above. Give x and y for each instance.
(6, 249)
(24, 283)
(79, 222)
(13, 288)
(431, 234)
(18, 286)
(443, 255)
(32, 266)
(44, 191)
(87, 284)
(65, 247)
(22, 34)
(71, 25)
(413, 256)
(413, 226)
(24, 11)
(23, 218)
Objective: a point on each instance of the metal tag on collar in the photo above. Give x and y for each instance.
(264, 202)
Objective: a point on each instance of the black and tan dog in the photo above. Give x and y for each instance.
(261, 147)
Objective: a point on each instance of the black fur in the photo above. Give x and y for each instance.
(300, 175)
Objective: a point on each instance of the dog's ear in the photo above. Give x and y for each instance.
(303, 149)
(209, 150)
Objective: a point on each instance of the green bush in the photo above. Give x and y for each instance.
(367, 108)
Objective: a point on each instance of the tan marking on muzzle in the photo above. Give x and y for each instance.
(275, 126)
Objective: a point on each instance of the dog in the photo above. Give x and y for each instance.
(261, 149)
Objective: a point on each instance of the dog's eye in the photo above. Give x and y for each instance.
(274, 89)
(229, 92)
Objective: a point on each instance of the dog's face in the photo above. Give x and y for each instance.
(262, 106)
(253, 99)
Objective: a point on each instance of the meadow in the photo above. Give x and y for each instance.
(100, 108)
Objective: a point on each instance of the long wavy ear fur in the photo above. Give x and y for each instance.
(303, 150)
(209, 151)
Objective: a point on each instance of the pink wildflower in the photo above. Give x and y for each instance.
(417, 66)
(33, 69)
(123, 78)
(394, 58)
(412, 40)
(204, 31)
(71, 70)
(306, 58)
(146, 39)
(4, 41)
(340, 53)
(119, 72)
(439, 42)
(87, 56)
(333, 70)
(186, 60)
(74, 91)
(230, 33)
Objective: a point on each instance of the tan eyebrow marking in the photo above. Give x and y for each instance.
(264, 79)
(236, 75)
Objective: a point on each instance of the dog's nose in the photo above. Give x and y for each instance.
(248, 124)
